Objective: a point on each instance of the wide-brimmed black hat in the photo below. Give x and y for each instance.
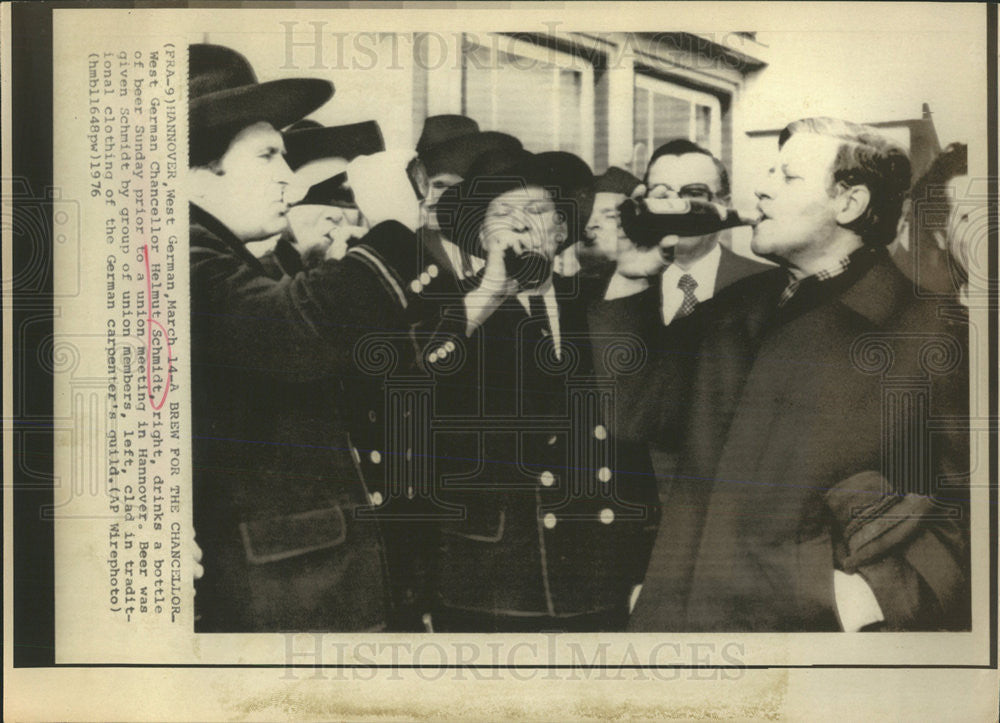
(457, 155)
(303, 124)
(450, 143)
(225, 98)
(462, 208)
(616, 180)
(440, 129)
(346, 141)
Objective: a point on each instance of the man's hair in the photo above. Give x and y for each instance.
(681, 147)
(865, 158)
(930, 205)
(950, 163)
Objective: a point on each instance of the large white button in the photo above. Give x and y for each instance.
(375, 456)
(549, 521)
(547, 479)
(604, 474)
(416, 287)
(432, 357)
(600, 432)
(376, 498)
(425, 278)
(449, 346)
(432, 270)
(607, 516)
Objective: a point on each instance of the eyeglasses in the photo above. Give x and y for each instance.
(698, 191)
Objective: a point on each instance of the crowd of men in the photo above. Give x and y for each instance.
(453, 395)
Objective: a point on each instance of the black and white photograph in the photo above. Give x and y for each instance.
(493, 382)
(505, 343)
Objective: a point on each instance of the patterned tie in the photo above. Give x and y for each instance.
(687, 284)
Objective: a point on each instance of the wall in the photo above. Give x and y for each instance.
(373, 75)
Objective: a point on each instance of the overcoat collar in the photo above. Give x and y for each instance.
(218, 229)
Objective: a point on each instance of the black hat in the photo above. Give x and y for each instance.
(462, 208)
(347, 142)
(225, 98)
(303, 125)
(450, 143)
(457, 155)
(616, 180)
(440, 129)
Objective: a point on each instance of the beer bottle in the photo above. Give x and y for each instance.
(646, 221)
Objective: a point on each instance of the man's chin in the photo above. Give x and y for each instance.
(764, 247)
(759, 242)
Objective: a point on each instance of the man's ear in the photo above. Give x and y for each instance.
(853, 202)
(200, 179)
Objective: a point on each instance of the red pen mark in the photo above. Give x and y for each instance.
(150, 321)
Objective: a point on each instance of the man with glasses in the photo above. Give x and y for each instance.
(701, 266)
(663, 303)
(812, 496)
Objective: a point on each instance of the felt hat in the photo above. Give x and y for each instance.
(457, 155)
(346, 141)
(462, 208)
(303, 124)
(616, 180)
(440, 129)
(450, 143)
(225, 97)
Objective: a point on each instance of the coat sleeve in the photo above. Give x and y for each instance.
(910, 555)
(303, 326)
(912, 545)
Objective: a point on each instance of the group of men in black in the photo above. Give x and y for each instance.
(452, 395)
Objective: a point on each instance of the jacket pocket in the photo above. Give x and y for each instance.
(279, 538)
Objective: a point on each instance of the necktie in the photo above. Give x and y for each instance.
(687, 284)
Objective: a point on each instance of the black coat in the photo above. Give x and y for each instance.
(279, 496)
(809, 449)
(540, 510)
(658, 396)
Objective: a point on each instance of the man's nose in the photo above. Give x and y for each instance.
(519, 222)
(763, 190)
(282, 173)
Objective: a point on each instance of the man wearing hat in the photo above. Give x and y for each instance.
(448, 146)
(320, 225)
(279, 501)
(543, 518)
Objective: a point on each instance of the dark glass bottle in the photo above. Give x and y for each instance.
(692, 217)
(529, 269)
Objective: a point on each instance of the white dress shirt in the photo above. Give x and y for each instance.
(703, 271)
(458, 262)
(551, 311)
